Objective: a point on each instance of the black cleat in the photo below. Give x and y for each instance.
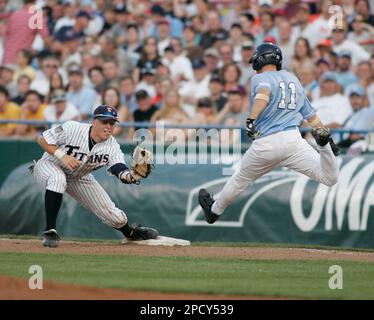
(51, 238)
(142, 233)
(321, 135)
(206, 202)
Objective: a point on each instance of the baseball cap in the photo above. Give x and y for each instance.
(169, 48)
(270, 39)
(9, 66)
(356, 89)
(247, 44)
(345, 53)
(216, 78)
(211, 52)
(329, 76)
(141, 95)
(163, 21)
(76, 69)
(121, 8)
(82, 13)
(58, 95)
(105, 112)
(145, 71)
(157, 9)
(220, 36)
(198, 64)
(204, 103)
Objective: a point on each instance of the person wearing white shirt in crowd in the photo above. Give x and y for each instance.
(340, 43)
(180, 67)
(163, 28)
(41, 81)
(286, 44)
(60, 110)
(68, 20)
(147, 82)
(197, 88)
(319, 29)
(332, 107)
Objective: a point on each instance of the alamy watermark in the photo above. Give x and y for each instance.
(36, 280)
(36, 19)
(336, 280)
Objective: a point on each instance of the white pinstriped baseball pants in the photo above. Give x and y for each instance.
(86, 190)
(287, 149)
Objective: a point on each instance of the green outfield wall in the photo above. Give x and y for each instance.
(281, 207)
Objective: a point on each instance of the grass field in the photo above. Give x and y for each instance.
(185, 274)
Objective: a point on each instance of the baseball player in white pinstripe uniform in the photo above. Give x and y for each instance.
(72, 151)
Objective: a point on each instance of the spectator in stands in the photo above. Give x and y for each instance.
(157, 14)
(267, 23)
(235, 40)
(232, 114)
(68, 19)
(171, 112)
(145, 110)
(60, 110)
(19, 35)
(362, 33)
(211, 59)
(70, 53)
(227, 54)
(214, 28)
(362, 117)
(340, 42)
(111, 73)
(112, 52)
(245, 67)
(97, 79)
(217, 94)
(23, 85)
(332, 107)
(180, 67)
(133, 46)
(83, 97)
(163, 85)
(308, 79)
(364, 73)
(344, 73)
(127, 91)
(55, 82)
(285, 43)
(302, 27)
(362, 8)
(205, 112)
(76, 31)
(193, 51)
(303, 54)
(319, 29)
(147, 82)
(8, 111)
(24, 59)
(49, 65)
(231, 74)
(33, 110)
(149, 57)
(164, 38)
(197, 88)
(7, 72)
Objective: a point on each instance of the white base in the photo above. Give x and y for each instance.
(160, 241)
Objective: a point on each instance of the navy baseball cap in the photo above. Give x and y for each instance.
(105, 112)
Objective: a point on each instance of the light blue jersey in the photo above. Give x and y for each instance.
(288, 104)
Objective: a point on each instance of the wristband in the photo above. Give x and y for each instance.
(59, 154)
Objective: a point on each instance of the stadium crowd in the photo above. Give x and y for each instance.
(179, 61)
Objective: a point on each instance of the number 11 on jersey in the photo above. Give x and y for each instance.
(292, 90)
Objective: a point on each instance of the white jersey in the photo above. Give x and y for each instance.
(73, 138)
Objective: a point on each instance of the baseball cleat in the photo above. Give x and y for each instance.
(321, 135)
(206, 202)
(51, 238)
(142, 233)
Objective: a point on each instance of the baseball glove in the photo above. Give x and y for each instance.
(142, 162)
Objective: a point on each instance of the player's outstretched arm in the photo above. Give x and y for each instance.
(260, 102)
(69, 161)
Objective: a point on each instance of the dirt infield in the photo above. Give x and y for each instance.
(17, 245)
(16, 288)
